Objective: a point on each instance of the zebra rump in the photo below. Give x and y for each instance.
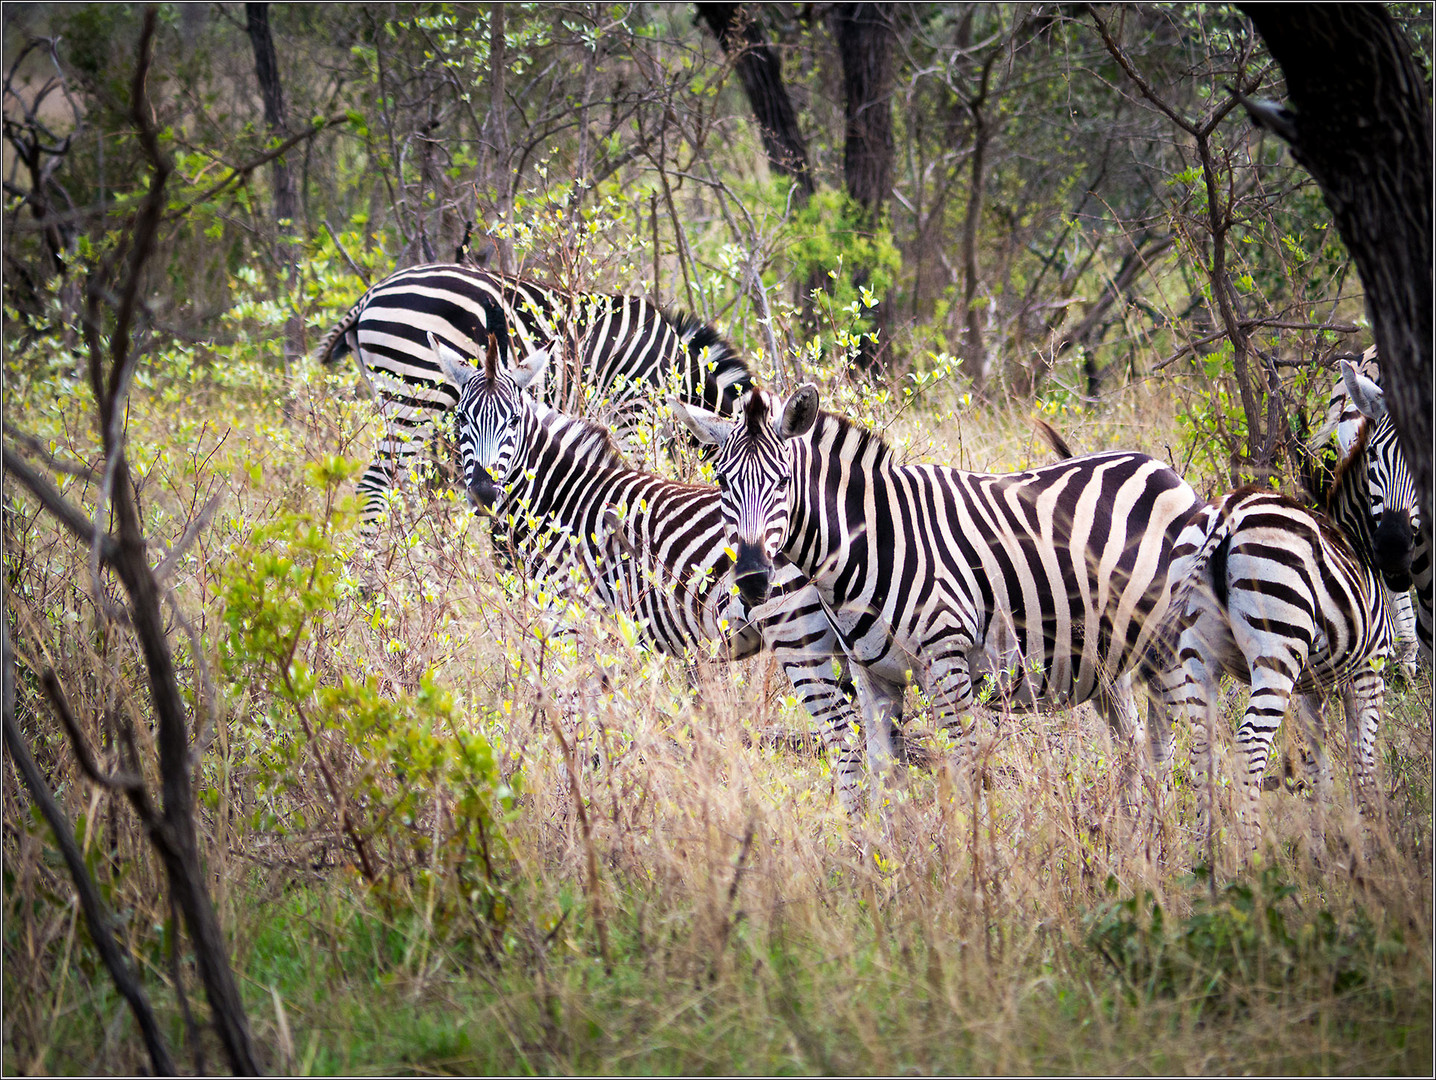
(1289, 601)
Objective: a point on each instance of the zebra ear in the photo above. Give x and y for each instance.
(532, 366)
(707, 427)
(799, 413)
(455, 368)
(1365, 394)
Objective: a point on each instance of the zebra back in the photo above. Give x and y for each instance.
(615, 345)
(615, 352)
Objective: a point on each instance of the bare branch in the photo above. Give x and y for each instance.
(63, 511)
(38, 448)
(127, 782)
(96, 917)
(198, 525)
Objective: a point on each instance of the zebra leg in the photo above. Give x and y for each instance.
(881, 704)
(1403, 620)
(1272, 686)
(1191, 691)
(391, 461)
(373, 491)
(1315, 766)
(950, 687)
(811, 673)
(1363, 698)
(1422, 579)
(1118, 706)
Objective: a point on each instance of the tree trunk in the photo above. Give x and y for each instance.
(972, 314)
(761, 71)
(266, 69)
(865, 36)
(499, 119)
(1362, 128)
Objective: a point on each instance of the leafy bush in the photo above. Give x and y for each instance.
(418, 797)
(1252, 938)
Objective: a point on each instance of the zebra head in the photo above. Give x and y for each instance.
(489, 417)
(754, 473)
(1393, 490)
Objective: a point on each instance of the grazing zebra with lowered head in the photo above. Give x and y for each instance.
(617, 351)
(1356, 397)
(1062, 571)
(1290, 602)
(562, 498)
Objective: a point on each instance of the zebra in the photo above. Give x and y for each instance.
(1050, 583)
(557, 490)
(1356, 398)
(617, 350)
(1288, 601)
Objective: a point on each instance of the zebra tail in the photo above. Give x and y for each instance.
(1206, 569)
(336, 343)
(1052, 439)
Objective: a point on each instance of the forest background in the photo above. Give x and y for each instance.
(951, 215)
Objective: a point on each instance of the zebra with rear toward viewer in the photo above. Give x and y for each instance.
(562, 498)
(617, 350)
(1290, 602)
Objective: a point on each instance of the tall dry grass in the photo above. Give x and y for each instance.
(679, 889)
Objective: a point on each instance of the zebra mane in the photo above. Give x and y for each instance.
(755, 414)
(698, 335)
(853, 441)
(591, 443)
(1342, 494)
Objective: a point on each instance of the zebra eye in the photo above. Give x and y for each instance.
(721, 481)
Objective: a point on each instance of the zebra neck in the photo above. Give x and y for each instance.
(832, 463)
(556, 448)
(1348, 501)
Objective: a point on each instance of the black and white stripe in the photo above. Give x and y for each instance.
(1051, 584)
(1290, 602)
(1356, 397)
(565, 503)
(617, 350)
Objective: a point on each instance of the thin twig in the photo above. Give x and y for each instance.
(65, 512)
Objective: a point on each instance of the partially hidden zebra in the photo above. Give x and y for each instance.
(1290, 602)
(617, 352)
(1050, 583)
(1356, 397)
(560, 495)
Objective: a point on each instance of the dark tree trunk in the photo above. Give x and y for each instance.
(266, 68)
(865, 44)
(972, 314)
(1362, 128)
(499, 119)
(761, 71)
(865, 37)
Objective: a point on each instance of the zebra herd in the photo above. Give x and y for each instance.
(1053, 586)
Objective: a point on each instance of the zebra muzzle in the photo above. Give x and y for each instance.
(483, 492)
(752, 573)
(1395, 545)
